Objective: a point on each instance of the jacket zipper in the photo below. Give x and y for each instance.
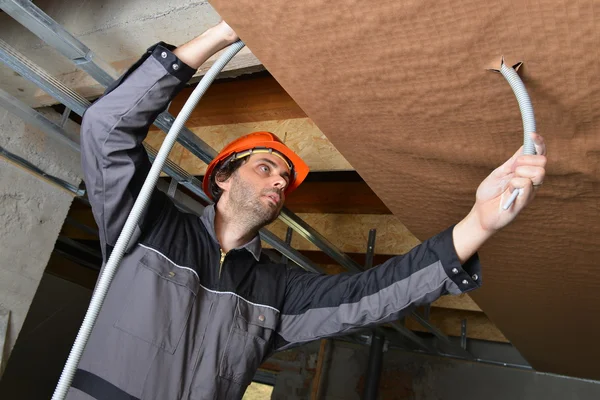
(223, 254)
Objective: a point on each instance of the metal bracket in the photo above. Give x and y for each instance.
(441, 336)
(463, 334)
(288, 241)
(65, 116)
(172, 188)
(23, 163)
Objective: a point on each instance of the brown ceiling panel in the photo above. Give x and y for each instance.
(401, 89)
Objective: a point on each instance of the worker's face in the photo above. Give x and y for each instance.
(257, 188)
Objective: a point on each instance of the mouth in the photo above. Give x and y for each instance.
(273, 197)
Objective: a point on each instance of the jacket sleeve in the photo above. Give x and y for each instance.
(115, 163)
(317, 306)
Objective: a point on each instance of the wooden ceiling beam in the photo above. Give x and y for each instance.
(251, 99)
(335, 192)
(336, 198)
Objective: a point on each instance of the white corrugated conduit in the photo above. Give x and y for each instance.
(112, 264)
(526, 108)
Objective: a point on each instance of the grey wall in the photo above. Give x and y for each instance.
(32, 212)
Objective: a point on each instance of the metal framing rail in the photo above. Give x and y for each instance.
(33, 117)
(56, 36)
(21, 162)
(30, 71)
(38, 22)
(373, 373)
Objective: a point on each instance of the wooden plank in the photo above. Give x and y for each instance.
(316, 389)
(329, 197)
(233, 108)
(457, 302)
(244, 100)
(349, 232)
(311, 197)
(448, 321)
(318, 257)
(300, 134)
(335, 198)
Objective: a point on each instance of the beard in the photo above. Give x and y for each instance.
(248, 206)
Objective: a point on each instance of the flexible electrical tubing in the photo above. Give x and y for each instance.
(133, 219)
(527, 115)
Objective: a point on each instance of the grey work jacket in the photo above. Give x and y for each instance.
(172, 326)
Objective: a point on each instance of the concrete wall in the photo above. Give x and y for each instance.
(32, 212)
(115, 30)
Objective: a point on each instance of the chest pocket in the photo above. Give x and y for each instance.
(159, 302)
(248, 342)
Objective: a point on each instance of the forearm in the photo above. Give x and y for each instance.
(114, 161)
(468, 237)
(195, 52)
(324, 305)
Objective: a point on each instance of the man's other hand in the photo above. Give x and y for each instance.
(487, 216)
(524, 172)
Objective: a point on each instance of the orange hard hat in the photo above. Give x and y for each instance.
(254, 143)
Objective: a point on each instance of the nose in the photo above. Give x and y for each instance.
(279, 183)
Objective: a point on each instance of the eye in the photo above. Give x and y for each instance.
(264, 168)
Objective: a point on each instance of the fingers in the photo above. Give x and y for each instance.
(535, 174)
(519, 160)
(537, 161)
(523, 184)
(528, 173)
(540, 144)
(532, 167)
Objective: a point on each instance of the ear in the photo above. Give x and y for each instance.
(224, 185)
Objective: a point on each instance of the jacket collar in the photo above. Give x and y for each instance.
(208, 219)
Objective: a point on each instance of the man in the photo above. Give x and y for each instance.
(195, 307)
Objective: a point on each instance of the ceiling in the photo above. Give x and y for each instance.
(403, 92)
